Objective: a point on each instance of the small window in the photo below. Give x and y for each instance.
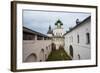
(77, 38)
(79, 56)
(87, 38)
(71, 38)
(39, 38)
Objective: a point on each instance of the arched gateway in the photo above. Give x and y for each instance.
(31, 58)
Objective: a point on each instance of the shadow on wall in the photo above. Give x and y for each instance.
(31, 58)
(42, 56)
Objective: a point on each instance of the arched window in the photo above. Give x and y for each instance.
(71, 50)
(87, 38)
(77, 38)
(79, 56)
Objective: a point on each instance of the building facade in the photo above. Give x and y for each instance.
(36, 46)
(57, 34)
(77, 40)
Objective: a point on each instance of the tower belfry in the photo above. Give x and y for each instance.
(58, 32)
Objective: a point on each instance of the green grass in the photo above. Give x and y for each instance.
(57, 55)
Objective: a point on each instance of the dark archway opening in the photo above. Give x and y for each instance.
(71, 50)
(31, 58)
(53, 45)
(42, 55)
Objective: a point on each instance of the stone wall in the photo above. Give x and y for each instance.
(36, 49)
(81, 49)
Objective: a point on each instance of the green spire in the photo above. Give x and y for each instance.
(58, 23)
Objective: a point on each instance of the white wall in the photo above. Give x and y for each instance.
(5, 38)
(58, 32)
(58, 42)
(82, 48)
(35, 47)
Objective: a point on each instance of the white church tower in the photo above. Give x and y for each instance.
(58, 33)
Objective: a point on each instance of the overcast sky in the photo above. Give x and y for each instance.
(40, 20)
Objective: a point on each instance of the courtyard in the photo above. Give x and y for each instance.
(58, 55)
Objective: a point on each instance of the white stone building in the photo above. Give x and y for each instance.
(36, 46)
(77, 40)
(57, 34)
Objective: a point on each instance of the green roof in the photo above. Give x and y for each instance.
(58, 21)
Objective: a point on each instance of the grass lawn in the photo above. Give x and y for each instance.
(57, 55)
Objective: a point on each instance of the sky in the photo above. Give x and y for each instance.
(40, 20)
